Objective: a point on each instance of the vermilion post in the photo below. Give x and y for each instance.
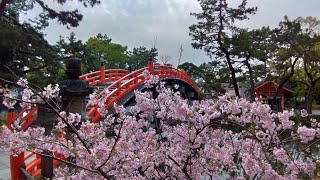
(151, 67)
(16, 162)
(11, 116)
(102, 74)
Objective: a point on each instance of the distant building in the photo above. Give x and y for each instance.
(266, 90)
(229, 88)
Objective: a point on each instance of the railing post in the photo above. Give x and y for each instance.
(117, 74)
(150, 65)
(118, 88)
(11, 116)
(16, 161)
(102, 74)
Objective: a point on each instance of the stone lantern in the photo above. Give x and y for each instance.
(74, 90)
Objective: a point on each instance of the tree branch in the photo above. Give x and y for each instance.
(34, 69)
(15, 22)
(66, 162)
(3, 6)
(113, 147)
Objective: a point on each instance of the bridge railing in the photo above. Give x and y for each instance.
(103, 75)
(25, 117)
(170, 72)
(33, 165)
(132, 81)
(117, 90)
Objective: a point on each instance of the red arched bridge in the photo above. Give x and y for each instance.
(120, 83)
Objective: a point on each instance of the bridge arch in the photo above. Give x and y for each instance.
(124, 86)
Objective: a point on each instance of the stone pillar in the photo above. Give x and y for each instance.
(74, 90)
(47, 119)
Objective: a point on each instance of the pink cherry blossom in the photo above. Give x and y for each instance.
(306, 134)
(167, 137)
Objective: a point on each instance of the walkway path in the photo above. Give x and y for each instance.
(4, 166)
(316, 111)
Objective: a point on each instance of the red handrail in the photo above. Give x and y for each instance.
(103, 76)
(34, 166)
(109, 75)
(134, 80)
(170, 72)
(25, 121)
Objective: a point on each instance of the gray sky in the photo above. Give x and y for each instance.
(139, 22)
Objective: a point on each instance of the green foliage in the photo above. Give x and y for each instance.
(23, 48)
(215, 28)
(305, 120)
(25, 51)
(139, 57)
(301, 42)
(209, 75)
(67, 18)
(299, 91)
(111, 54)
(76, 48)
(291, 43)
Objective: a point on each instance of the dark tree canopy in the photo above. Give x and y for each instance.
(215, 24)
(23, 48)
(68, 18)
(252, 49)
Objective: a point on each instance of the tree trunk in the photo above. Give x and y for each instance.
(233, 74)
(284, 81)
(309, 98)
(311, 88)
(226, 52)
(252, 87)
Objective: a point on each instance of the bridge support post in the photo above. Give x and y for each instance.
(11, 116)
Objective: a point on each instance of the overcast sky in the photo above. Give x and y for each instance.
(143, 22)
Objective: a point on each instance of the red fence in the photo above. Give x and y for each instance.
(103, 76)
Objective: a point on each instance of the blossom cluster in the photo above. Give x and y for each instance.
(167, 136)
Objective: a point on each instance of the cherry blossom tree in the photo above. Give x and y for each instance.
(168, 137)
